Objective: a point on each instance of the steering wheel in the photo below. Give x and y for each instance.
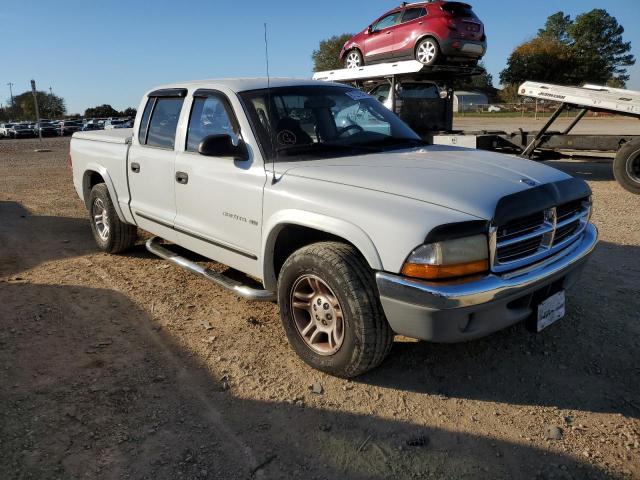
(344, 130)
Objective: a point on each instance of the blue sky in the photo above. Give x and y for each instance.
(108, 51)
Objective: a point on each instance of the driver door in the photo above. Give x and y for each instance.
(381, 38)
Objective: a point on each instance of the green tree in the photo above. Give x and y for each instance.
(101, 111)
(50, 106)
(541, 59)
(556, 27)
(327, 56)
(587, 49)
(596, 38)
(129, 112)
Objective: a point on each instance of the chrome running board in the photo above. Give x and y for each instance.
(219, 279)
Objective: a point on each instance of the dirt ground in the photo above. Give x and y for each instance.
(123, 367)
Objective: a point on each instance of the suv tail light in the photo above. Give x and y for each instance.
(451, 24)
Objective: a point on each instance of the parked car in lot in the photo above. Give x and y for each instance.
(358, 230)
(46, 129)
(20, 130)
(5, 128)
(425, 31)
(87, 127)
(69, 127)
(111, 124)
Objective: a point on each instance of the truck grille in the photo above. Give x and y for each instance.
(534, 237)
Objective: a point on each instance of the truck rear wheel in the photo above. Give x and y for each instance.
(626, 167)
(110, 233)
(330, 310)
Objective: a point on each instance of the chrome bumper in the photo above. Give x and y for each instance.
(489, 300)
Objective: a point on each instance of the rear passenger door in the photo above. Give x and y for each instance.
(407, 33)
(151, 163)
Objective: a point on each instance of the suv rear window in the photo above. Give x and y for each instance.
(457, 9)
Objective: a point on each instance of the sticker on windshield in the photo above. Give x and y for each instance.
(357, 95)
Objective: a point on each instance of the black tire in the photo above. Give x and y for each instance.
(367, 336)
(427, 51)
(120, 235)
(626, 167)
(353, 59)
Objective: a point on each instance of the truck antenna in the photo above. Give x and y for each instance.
(273, 150)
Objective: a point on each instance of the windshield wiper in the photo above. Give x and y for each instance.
(391, 142)
(326, 147)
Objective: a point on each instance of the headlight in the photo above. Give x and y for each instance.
(449, 259)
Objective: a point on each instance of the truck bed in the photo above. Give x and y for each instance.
(116, 135)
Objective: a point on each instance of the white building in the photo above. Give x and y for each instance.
(465, 101)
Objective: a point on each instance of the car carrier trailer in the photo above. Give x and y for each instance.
(433, 118)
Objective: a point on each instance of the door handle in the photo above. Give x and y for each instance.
(388, 33)
(182, 177)
(135, 167)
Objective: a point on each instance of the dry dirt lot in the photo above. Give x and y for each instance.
(126, 367)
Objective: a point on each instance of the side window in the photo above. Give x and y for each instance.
(381, 93)
(387, 21)
(412, 14)
(162, 127)
(144, 122)
(208, 117)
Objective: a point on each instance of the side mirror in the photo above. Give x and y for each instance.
(370, 29)
(223, 146)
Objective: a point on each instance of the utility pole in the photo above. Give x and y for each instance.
(11, 91)
(35, 100)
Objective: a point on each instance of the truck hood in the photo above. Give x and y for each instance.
(466, 180)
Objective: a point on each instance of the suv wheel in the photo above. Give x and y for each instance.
(110, 233)
(330, 310)
(353, 59)
(427, 51)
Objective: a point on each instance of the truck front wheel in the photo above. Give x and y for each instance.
(110, 233)
(330, 310)
(626, 167)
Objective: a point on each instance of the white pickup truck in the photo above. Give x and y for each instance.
(354, 225)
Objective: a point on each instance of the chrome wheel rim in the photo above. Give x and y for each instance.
(633, 167)
(426, 52)
(100, 218)
(353, 60)
(317, 315)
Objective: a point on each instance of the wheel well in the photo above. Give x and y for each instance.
(91, 179)
(423, 37)
(293, 237)
(352, 49)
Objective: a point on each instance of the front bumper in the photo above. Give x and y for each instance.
(451, 313)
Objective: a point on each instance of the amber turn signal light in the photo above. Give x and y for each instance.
(440, 272)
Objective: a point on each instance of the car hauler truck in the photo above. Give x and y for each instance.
(422, 96)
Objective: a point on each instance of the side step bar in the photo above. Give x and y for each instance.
(215, 277)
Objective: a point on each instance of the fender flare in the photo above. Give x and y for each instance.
(335, 226)
(94, 167)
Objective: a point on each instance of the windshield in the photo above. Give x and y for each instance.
(319, 122)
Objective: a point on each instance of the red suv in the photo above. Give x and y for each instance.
(424, 31)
